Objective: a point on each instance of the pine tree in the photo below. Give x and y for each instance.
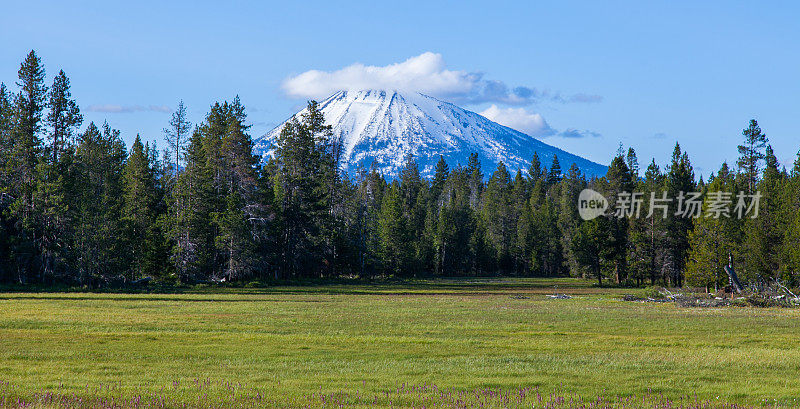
(414, 199)
(498, 217)
(633, 164)
(712, 240)
(192, 202)
(679, 179)
(6, 115)
(554, 176)
(618, 181)
(648, 234)
(64, 116)
(32, 99)
(139, 208)
(475, 180)
(790, 251)
(303, 190)
(177, 134)
(590, 247)
(22, 162)
(394, 233)
(26, 141)
(751, 154)
(6, 141)
(235, 239)
(439, 179)
(99, 231)
(567, 215)
(535, 170)
(51, 209)
(764, 234)
(366, 238)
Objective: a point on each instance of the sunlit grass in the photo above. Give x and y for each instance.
(294, 344)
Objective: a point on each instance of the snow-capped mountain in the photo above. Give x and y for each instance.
(383, 127)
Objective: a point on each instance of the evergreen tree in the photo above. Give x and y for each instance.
(618, 183)
(456, 227)
(303, 160)
(235, 239)
(554, 176)
(26, 141)
(647, 234)
(139, 210)
(590, 247)
(633, 164)
(498, 217)
(679, 181)
(568, 218)
(535, 171)
(31, 101)
(413, 195)
(394, 233)
(99, 232)
(176, 134)
(6, 115)
(751, 154)
(434, 231)
(475, 181)
(64, 116)
(23, 159)
(439, 179)
(192, 202)
(764, 234)
(51, 209)
(790, 251)
(712, 240)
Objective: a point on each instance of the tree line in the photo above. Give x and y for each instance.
(78, 207)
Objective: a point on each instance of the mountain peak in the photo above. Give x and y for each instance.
(383, 127)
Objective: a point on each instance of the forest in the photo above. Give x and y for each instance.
(79, 207)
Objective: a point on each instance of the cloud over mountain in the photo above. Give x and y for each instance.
(428, 74)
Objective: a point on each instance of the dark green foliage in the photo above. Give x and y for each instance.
(554, 175)
(99, 245)
(499, 217)
(192, 203)
(618, 181)
(647, 235)
(679, 179)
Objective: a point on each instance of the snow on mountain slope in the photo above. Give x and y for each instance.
(383, 127)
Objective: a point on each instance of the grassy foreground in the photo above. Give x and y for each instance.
(476, 342)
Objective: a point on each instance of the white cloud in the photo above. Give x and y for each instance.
(426, 73)
(520, 119)
(531, 123)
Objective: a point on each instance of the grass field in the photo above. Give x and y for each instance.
(390, 345)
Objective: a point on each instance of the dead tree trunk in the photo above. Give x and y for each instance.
(732, 277)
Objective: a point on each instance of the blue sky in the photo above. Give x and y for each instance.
(645, 74)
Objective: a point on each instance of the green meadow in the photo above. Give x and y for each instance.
(389, 345)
